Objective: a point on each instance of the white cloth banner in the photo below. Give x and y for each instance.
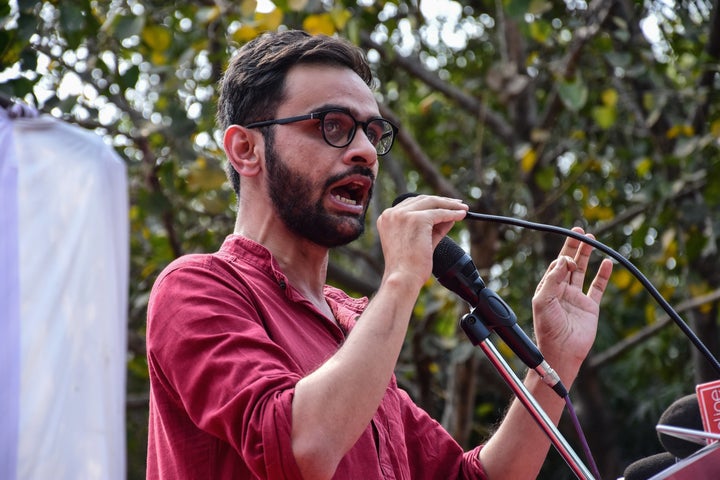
(69, 333)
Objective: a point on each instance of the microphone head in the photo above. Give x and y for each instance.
(683, 412)
(455, 270)
(647, 467)
(402, 197)
(453, 267)
(446, 255)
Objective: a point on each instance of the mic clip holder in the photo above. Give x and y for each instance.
(495, 314)
(479, 334)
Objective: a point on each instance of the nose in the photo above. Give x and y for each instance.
(361, 150)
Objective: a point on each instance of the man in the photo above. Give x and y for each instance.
(258, 369)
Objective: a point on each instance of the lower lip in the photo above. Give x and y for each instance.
(338, 205)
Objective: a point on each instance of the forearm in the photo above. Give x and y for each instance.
(519, 447)
(334, 405)
(565, 321)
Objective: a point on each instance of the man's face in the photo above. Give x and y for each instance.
(296, 201)
(321, 192)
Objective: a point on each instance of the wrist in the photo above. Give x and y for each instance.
(566, 375)
(566, 362)
(402, 283)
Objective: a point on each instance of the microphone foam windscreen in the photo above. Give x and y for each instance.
(446, 254)
(683, 412)
(647, 467)
(402, 197)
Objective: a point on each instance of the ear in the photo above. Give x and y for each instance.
(243, 148)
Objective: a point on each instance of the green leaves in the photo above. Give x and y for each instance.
(605, 114)
(157, 37)
(126, 26)
(517, 9)
(77, 22)
(549, 112)
(573, 93)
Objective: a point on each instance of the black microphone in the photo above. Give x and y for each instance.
(649, 466)
(683, 412)
(456, 271)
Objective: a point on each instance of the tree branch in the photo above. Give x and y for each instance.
(707, 79)
(691, 187)
(141, 141)
(494, 121)
(422, 162)
(612, 353)
(598, 11)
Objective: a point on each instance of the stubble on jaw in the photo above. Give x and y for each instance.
(291, 194)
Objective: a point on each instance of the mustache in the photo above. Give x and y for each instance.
(356, 170)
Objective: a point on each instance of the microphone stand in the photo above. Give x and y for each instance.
(478, 333)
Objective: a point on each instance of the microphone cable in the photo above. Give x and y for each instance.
(632, 269)
(620, 259)
(581, 436)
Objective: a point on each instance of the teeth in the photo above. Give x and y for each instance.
(346, 200)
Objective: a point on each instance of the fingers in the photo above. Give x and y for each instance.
(440, 213)
(430, 202)
(579, 252)
(582, 259)
(570, 247)
(571, 266)
(410, 231)
(425, 209)
(558, 273)
(601, 280)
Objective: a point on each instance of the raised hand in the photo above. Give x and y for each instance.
(565, 315)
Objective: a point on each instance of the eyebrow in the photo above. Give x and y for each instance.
(332, 106)
(335, 106)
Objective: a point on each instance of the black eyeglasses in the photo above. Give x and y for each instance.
(339, 126)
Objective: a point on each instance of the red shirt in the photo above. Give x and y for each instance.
(227, 339)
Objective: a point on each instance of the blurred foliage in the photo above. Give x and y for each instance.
(602, 114)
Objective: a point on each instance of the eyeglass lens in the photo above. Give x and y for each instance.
(339, 130)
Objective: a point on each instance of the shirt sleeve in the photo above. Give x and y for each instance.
(213, 359)
(472, 466)
(432, 451)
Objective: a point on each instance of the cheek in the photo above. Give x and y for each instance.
(306, 158)
(297, 152)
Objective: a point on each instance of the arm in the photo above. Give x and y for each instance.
(565, 326)
(334, 405)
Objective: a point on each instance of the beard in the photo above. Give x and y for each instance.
(292, 197)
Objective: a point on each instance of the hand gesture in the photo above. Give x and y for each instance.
(565, 316)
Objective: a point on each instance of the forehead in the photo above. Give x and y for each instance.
(311, 86)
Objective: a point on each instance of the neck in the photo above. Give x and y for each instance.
(303, 262)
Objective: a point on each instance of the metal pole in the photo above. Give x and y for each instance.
(479, 334)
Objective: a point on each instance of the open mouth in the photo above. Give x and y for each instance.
(353, 192)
